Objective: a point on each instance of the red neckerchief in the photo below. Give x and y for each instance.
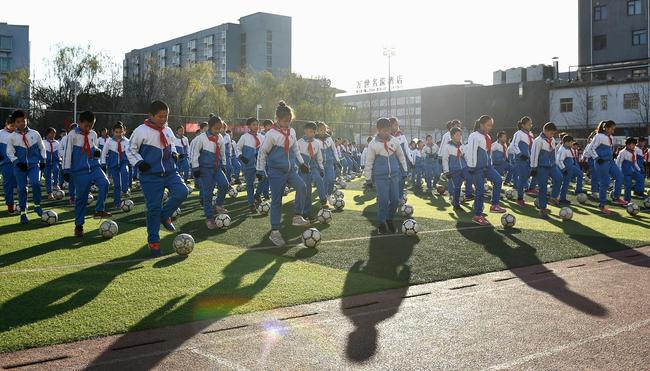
(633, 152)
(575, 154)
(51, 146)
(86, 145)
(488, 142)
(388, 150)
(286, 138)
(217, 150)
(163, 138)
(257, 140)
(530, 139)
(549, 141)
(310, 149)
(505, 151)
(24, 135)
(458, 152)
(119, 149)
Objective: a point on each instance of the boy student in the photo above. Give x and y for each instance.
(395, 131)
(312, 156)
(500, 154)
(81, 166)
(234, 159)
(26, 152)
(639, 190)
(627, 162)
(364, 154)
(62, 146)
(542, 162)
(59, 176)
(151, 150)
(418, 169)
(209, 164)
(249, 145)
(446, 137)
(103, 137)
(8, 177)
(431, 165)
(567, 161)
(454, 164)
(386, 167)
(279, 160)
(330, 156)
(602, 151)
(53, 157)
(115, 160)
(182, 147)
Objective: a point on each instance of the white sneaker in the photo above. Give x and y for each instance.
(220, 209)
(276, 238)
(299, 221)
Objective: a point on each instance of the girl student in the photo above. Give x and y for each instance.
(602, 151)
(543, 167)
(520, 146)
(330, 156)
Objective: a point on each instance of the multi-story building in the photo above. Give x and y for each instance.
(14, 53)
(259, 42)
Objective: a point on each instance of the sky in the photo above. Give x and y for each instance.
(436, 42)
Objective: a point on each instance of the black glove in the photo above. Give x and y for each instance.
(471, 170)
(2, 157)
(260, 176)
(181, 156)
(322, 174)
(41, 166)
(22, 166)
(97, 153)
(533, 173)
(196, 173)
(143, 166)
(600, 161)
(104, 168)
(565, 171)
(66, 177)
(524, 157)
(175, 156)
(304, 169)
(243, 159)
(223, 168)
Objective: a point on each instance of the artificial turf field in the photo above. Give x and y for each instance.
(56, 288)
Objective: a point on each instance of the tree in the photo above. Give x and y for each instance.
(15, 91)
(642, 89)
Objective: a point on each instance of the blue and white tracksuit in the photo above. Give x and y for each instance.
(27, 147)
(520, 147)
(182, 148)
(401, 138)
(209, 157)
(567, 161)
(71, 188)
(248, 146)
(227, 144)
(330, 159)
(146, 145)
(431, 165)
(264, 188)
(454, 164)
(314, 160)
(639, 188)
(479, 160)
(101, 142)
(446, 138)
(51, 163)
(586, 156)
(85, 170)
(602, 151)
(385, 167)
(627, 162)
(8, 177)
(117, 165)
(500, 158)
(279, 162)
(542, 158)
(417, 172)
(234, 159)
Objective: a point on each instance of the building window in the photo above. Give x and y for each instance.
(640, 72)
(640, 37)
(566, 104)
(634, 7)
(269, 48)
(5, 64)
(590, 103)
(191, 45)
(600, 42)
(600, 12)
(269, 36)
(6, 42)
(631, 101)
(269, 61)
(603, 103)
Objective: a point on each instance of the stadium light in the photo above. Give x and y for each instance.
(389, 53)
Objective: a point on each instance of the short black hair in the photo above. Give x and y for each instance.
(382, 123)
(74, 125)
(499, 134)
(62, 131)
(214, 120)
(9, 120)
(630, 140)
(17, 114)
(454, 130)
(267, 122)
(549, 126)
(251, 120)
(157, 106)
(310, 125)
(641, 139)
(180, 127)
(118, 125)
(567, 138)
(203, 124)
(428, 136)
(87, 116)
(50, 130)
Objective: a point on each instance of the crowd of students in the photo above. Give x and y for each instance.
(270, 156)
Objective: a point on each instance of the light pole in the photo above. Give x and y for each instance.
(257, 111)
(556, 68)
(389, 52)
(76, 87)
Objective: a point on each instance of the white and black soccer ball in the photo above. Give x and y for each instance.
(311, 237)
(508, 220)
(343, 184)
(222, 221)
(410, 227)
(486, 188)
(165, 196)
(108, 229)
(136, 186)
(406, 210)
(511, 194)
(339, 204)
(241, 188)
(59, 195)
(264, 208)
(286, 190)
(65, 185)
(176, 213)
(232, 192)
(90, 200)
(183, 244)
(49, 217)
(646, 203)
(441, 190)
(338, 194)
(324, 216)
(582, 198)
(94, 188)
(127, 205)
(566, 213)
(632, 209)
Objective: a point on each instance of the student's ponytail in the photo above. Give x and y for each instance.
(522, 121)
(481, 121)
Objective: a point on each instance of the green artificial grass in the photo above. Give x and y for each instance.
(56, 288)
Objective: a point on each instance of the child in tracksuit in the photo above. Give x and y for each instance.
(586, 156)
(500, 154)
(639, 190)
(52, 160)
(602, 151)
(116, 163)
(567, 161)
(234, 160)
(62, 145)
(330, 157)
(520, 147)
(386, 167)
(103, 137)
(431, 164)
(151, 150)
(279, 160)
(227, 142)
(59, 176)
(248, 147)
(453, 164)
(81, 166)
(312, 156)
(418, 170)
(627, 162)
(395, 131)
(368, 183)
(8, 177)
(542, 162)
(182, 147)
(26, 152)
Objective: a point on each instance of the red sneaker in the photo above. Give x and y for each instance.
(605, 210)
(497, 209)
(532, 192)
(480, 220)
(72, 201)
(621, 202)
(50, 197)
(154, 247)
(521, 203)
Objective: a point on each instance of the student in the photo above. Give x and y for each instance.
(203, 127)
(8, 177)
(209, 165)
(386, 166)
(639, 189)
(103, 137)
(586, 157)
(249, 145)
(368, 183)
(542, 162)
(479, 162)
(151, 150)
(567, 161)
(627, 163)
(279, 160)
(26, 152)
(59, 176)
(500, 154)
(602, 151)
(234, 160)
(431, 163)
(62, 146)
(227, 144)
(418, 168)
(81, 166)
(395, 131)
(330, 156)
(520, 146)
(453, 164)
(52, 160)
(446, 137)
(312, 156)
(267, 125)
(182, 148)
(116, 163)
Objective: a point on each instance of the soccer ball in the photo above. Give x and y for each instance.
(343, 184)
(407, 210)
(311, 237)
(508, 220)
(632, 209)
(486, 187)
(566, 213)
(324, 216)
(286, 191)
(646, 203)
(108, 229)
(17, 208)
(241, 188)
(582, 198)
(461, 197)
(183, 244)
(410, 227)
(49, 217)
(335, 188)
(232, 192)
(441, 190)
(59, 195)
(263, 208)
(127, 205)
(90, 199)
(587, 180)
(65, 185)
(176, 213)
(511, 194)
(94, 189)
(136, 186)
(339, 194)
(222, 221)
(165, 196)
(338, 204)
